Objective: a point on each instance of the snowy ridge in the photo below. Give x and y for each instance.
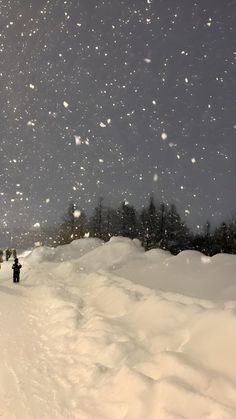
(103, 346)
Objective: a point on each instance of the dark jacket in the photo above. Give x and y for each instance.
(16, 267)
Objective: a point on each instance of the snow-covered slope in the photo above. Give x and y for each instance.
(107, 331)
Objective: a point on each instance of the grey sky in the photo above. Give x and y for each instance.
(113, 76)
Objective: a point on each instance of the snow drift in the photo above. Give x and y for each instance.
(128, 334)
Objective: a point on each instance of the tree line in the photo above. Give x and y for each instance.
(156, 226)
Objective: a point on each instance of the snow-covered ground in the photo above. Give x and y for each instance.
(107, 331)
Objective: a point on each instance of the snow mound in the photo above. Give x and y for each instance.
(190, 273)
(40, 254)
(74, 250)
(112, 255)
(129, 352)
(125, 333)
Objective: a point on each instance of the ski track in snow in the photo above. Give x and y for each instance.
(91, 345)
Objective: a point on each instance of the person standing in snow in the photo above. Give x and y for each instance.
(8, 253)
(14, 253)
(16, 270)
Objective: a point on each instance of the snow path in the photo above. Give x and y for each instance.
(28, 387)
(78, 341)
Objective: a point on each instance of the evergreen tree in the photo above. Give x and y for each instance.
(129, 222)
(176, 232)
(207, 229)
(143, 233)
(97, 221)
(111, 223)
(161, 226)
(207, 245)
(232, 228)
(73, 226)
(67, 227)
(80, 224)
(224, 238)
(149, 226)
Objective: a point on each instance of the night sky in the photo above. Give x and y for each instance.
(117, 99)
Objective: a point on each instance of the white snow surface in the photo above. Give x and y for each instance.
(108, 331)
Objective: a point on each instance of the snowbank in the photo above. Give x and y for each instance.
(189, 273)
(63, 253)
(135, 335)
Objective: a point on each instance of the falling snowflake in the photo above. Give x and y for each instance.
(77, 213)
(78, 140)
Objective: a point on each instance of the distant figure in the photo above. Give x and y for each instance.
(8, 253)
(16, 270)
(14, 253)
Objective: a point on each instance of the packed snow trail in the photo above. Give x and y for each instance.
(27, 385)
(79, 341)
